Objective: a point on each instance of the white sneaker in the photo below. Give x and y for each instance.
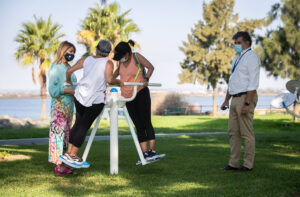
(73, 161)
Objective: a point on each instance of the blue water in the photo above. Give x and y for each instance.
(23, 107)
(31, 107)
(206, 102)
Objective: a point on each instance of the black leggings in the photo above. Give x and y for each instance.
(85, 117)
(140, 112)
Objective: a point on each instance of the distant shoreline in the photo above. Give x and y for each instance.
(16, 96)
(192, 94)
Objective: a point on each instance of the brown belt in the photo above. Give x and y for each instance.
(238, 94)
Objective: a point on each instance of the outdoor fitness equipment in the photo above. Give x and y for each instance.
(287, 99)
(114, 102)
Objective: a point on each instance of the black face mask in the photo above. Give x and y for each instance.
(69, 57)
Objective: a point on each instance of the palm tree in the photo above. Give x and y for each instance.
(103, 2)
(38, 42)
(106, 23)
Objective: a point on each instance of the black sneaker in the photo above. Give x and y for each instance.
(244, 169)
(228, 167)
(146, 155)
(152, 155)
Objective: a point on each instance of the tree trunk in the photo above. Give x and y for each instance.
(33, 75)
(296, 110)
(43, 107)
(43, 92)
(215, 106)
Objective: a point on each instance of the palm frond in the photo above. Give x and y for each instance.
(105, 22)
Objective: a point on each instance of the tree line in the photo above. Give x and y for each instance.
(208, 50)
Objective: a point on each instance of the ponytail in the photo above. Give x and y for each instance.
(131, 42)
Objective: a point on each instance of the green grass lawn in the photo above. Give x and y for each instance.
(173, 124)
(191, 168)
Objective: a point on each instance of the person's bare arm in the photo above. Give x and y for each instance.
(225, 105)
(228, 96)
(145, 63)
(69, 91)
(109, 74)
(77, 66)
(116, 73)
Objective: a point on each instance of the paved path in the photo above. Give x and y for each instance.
(40, 141)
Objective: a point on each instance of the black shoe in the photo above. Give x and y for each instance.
(244, 169)
(146, 155)
(228, 167)
(152, 153)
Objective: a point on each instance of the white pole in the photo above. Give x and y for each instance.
(92, 136)
(134, 137)
(114, 147)
(114, 103)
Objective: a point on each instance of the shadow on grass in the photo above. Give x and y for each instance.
(170, 124)
(191, 168)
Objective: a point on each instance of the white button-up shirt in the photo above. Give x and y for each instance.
(246, 74)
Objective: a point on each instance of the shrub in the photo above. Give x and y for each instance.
(168, 101)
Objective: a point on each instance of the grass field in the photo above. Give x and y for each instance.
(173, 124)
(191, 168)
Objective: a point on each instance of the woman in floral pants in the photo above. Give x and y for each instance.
(62, 106)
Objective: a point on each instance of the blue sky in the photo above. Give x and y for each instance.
(164, 24)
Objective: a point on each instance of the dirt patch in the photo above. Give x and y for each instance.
(14, 158)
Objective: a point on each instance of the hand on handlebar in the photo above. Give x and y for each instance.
(145, 82)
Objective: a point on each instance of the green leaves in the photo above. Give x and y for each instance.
(105, 22)
(28, 59)
(280, 49)
(208, 50)
(38, 41)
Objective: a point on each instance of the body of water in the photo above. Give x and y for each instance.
(263, 102)
(31, 107)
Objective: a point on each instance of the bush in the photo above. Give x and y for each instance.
(168, 101)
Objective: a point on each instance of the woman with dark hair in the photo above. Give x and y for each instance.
(131, 69)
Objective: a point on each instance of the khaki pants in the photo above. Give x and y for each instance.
(241, 126)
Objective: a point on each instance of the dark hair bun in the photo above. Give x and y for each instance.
(130, 42)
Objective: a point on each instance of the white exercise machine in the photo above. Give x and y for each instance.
(287, 99)
(114, 102)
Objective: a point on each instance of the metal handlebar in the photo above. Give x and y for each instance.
(135, 85)
(141, 84)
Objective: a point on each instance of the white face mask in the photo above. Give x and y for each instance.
(123, 59)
